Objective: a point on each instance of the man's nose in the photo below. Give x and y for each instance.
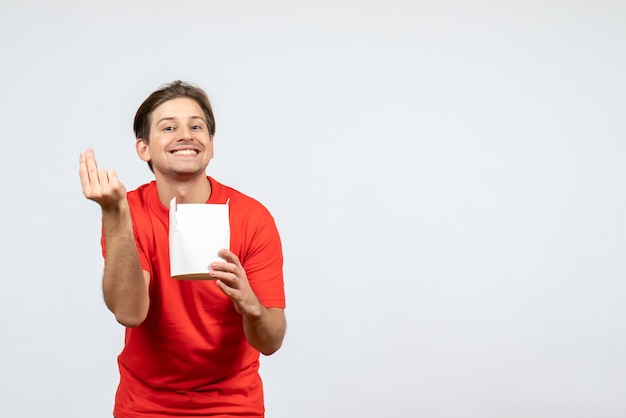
(186, 132)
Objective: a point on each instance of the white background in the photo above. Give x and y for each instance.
(447, 177)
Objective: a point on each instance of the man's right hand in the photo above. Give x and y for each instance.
(101, 186)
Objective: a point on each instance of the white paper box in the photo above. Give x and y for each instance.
(197, 233)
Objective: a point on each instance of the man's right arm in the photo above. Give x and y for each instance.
(124, 283)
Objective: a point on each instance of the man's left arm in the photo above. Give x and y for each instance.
(264, 327)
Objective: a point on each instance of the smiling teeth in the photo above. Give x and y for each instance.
(185, 152)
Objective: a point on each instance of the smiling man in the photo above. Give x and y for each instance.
(191, 347)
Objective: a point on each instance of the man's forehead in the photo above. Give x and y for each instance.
(179, 108)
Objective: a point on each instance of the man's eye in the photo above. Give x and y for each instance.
(196, 127)
(168, 128)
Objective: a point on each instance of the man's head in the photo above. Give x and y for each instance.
(174, 90)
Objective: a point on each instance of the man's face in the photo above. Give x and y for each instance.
(180, 144)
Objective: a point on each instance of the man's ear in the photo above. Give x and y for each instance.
(143, 150)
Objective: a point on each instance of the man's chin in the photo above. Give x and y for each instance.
(183, 172)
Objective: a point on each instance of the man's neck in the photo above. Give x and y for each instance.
(190, 190)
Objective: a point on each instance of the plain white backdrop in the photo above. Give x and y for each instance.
(448, 179)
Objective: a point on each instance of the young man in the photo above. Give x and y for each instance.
(191, 347)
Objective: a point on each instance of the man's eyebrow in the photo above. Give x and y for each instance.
(163, 119)
(173, 118)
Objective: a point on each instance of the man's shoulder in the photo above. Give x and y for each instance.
(143, 189)
(236, 199)
(223, 192)
(141, 195)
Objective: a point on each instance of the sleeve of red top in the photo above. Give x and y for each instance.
(264, 263)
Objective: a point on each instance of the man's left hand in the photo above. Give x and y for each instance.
(232, 280)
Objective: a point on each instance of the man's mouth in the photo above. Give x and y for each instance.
(185, 152)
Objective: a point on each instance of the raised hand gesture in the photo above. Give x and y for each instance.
(101, 186)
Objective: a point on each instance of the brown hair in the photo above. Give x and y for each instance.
(170, 91)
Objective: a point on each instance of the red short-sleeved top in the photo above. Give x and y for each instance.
(190, 356)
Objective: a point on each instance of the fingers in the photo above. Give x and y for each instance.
(227, 269)
(101, 186)
(231, 278)
(86, 169)
(230, 257)
(230, 272)
(228, 291)
(108, 177)
(238, 289)
(90, 176)
(227, 272)
(92, 167)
